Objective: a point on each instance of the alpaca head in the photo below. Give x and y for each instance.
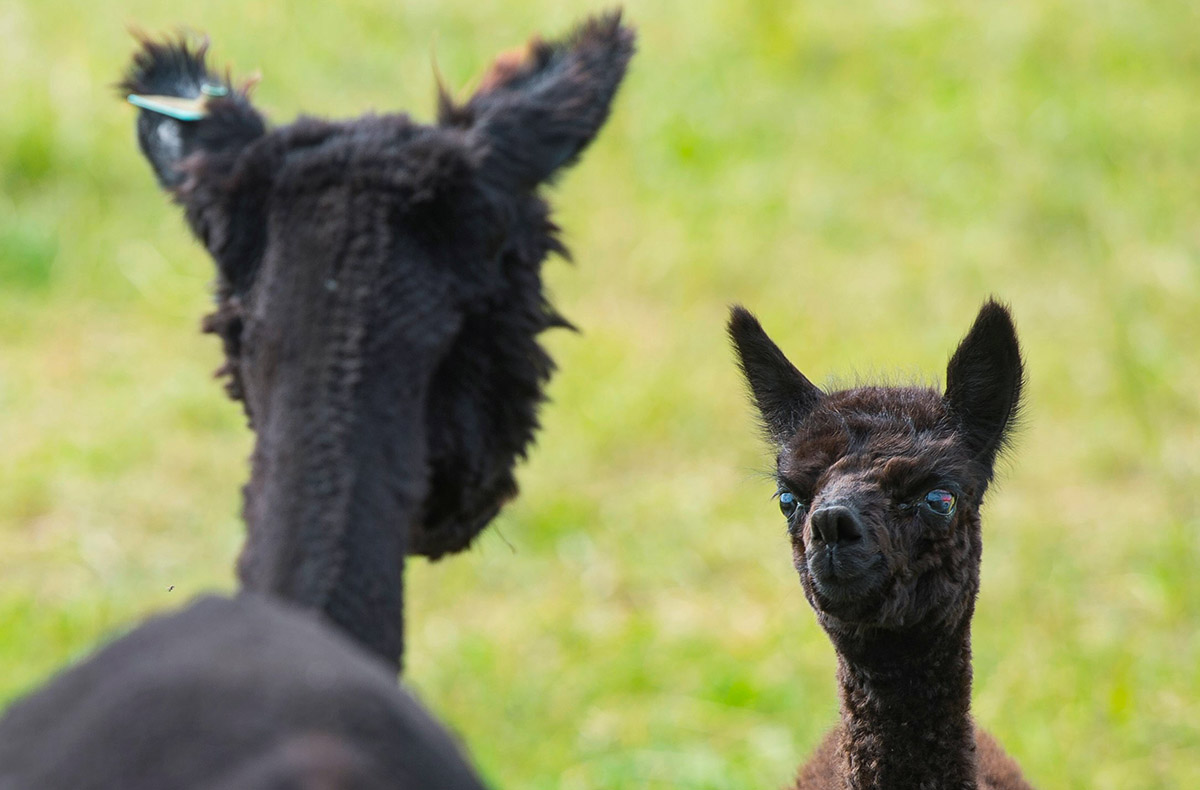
(369, 267)
(881, 487)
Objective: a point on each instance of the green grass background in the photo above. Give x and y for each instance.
(861, 174)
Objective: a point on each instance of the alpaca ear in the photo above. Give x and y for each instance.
(192, 126)
(186, 110)
(783, 395)
(537, 108)
(983, 382)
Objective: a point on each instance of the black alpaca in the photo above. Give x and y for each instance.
(882, 488)
(379, 300)
(228, 694)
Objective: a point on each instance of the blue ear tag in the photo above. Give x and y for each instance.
(181, 109)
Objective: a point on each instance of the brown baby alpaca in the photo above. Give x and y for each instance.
(882, 488)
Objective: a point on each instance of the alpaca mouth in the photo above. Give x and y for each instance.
(842, 576)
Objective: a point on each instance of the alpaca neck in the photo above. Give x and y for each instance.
(336, 485)
(905, 706)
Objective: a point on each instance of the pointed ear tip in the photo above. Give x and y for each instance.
(608, 23)
(605, 30)
(995, 320)
(155, 55)
(995, 310)
(178, 43)
(741, 320)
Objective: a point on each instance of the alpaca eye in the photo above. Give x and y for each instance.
(789, 503)
(940, 501)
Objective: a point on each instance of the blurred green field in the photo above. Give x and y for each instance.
(862, 175)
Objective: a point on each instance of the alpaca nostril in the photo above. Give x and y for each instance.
(836, 525)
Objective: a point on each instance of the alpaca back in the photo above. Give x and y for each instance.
(228, 693)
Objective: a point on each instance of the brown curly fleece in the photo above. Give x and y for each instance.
(882, 488)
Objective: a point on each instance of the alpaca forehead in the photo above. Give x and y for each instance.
(880, 417)
(901, 466)
(876, 406)
(894, 467)
(887, 436)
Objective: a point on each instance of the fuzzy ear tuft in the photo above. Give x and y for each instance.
(984, 381)
(537, 108)
(186, 109)
(783, 395)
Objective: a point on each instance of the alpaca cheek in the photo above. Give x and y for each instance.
(798, 552)
(801, 564)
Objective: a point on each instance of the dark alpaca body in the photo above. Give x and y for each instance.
(241, 693)
(863, 475)
(379, 302)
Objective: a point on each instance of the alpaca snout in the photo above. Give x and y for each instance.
(845, 572)
(836, 525)
(843, 559)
